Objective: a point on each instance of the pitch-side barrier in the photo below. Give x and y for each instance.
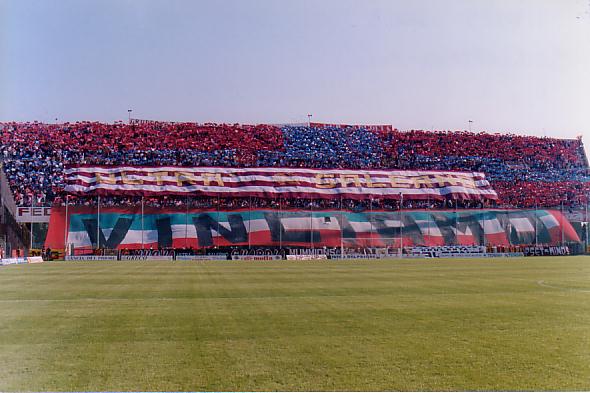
(408, 252)
(19, 261)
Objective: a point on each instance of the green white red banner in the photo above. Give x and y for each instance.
(161, 228)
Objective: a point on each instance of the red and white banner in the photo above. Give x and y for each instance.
(275, 182)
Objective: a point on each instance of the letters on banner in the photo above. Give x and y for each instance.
(33, 214)
(277, 182)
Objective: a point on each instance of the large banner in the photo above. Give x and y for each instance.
(275, 182)
(127, 228)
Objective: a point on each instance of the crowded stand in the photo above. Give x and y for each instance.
(520, 168)
(236, 203)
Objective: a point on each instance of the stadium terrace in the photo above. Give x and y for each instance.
(216, 169)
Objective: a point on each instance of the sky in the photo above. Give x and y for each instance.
(517, 66)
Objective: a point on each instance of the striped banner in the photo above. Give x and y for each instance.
(127, 228)
(277, 182)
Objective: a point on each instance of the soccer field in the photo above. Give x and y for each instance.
(493, 324)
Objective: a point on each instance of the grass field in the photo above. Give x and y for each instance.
(498, 324)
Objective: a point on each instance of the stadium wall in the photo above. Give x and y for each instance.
(14, 239)
(119, 228)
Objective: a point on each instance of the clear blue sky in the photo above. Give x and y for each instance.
(511, 65)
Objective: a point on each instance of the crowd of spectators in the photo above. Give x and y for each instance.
(525, 171)
(241, 203)
(527, 151)
(331, 147)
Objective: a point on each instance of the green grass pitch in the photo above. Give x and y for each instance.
(494, 324)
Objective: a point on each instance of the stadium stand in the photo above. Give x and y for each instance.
(536, 180)
(520, 168)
